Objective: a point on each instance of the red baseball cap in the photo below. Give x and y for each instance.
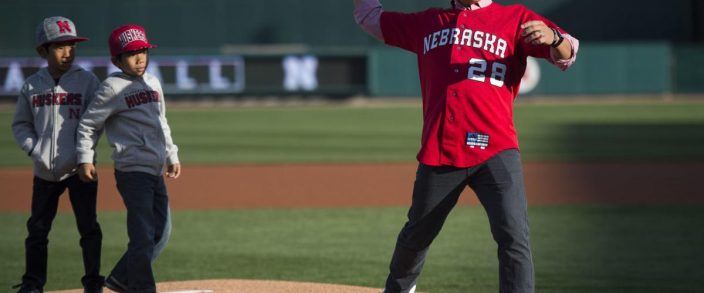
(128, 38)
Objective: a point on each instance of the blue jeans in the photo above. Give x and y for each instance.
(148, 228)
(498, 183)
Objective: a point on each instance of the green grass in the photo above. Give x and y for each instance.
(276, 135)
(621, 132)
(576, 249)
(648, 131)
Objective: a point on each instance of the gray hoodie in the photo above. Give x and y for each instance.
(46, 119)
(132, 111)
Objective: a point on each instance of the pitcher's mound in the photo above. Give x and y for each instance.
(249, 286)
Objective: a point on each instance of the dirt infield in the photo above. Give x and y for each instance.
(358, 185)
(250, 286)
(379, 185)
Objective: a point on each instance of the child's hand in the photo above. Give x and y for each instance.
(173, 171)
(87, 173)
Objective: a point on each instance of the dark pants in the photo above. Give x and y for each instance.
(498, 184)
(45, 202)
(147, 206)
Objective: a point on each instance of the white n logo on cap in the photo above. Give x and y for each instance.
(63, 26)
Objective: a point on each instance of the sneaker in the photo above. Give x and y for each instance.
(113, 284)
(28, 288)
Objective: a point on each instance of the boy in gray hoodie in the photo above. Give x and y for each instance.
(130, 106)
(49, 107)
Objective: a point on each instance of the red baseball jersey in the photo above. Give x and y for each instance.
(470, 64)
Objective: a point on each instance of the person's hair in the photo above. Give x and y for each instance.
(118, 57)
(47, 45)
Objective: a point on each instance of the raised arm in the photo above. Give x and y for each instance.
(367, 14)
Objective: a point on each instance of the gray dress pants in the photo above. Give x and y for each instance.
(498, 183)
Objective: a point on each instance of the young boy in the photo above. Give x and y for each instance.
(130, 106)
(48, 111)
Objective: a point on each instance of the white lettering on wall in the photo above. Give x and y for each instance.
(14, 79)
(238, 83)
(154, 70)
(183, 81)
(87, 65)
(112, 68)
(178, 74)
(300, 73)
(217, 81)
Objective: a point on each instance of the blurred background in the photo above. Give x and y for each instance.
(298, 134)
(314, 47)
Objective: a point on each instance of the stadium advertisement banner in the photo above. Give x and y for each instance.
(222, 75)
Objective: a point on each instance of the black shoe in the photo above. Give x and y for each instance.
(113, 284)
(28, 288)
(93, 289)
(93, 284)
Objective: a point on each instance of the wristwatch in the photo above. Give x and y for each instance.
(558, 38)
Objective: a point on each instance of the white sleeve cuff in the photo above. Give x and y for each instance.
(563, 64)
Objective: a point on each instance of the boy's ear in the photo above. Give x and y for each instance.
(41, 50)
(115, 62)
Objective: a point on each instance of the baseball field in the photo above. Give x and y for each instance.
(318, 193)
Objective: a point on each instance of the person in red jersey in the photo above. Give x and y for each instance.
(471, 58)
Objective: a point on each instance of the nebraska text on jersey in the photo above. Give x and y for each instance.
(465, 37)
(470, 64)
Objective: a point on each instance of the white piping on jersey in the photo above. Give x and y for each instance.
(465, 37)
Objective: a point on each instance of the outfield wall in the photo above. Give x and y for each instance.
(602, 69)
(313, 47)
(645, 68)
(689, 69)
(204, 26)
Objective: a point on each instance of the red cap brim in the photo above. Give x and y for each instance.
(136, 46)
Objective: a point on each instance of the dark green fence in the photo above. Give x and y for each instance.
(638, 58)
(689, 69)
(204, 26)
(612, 69)
(646, 68)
